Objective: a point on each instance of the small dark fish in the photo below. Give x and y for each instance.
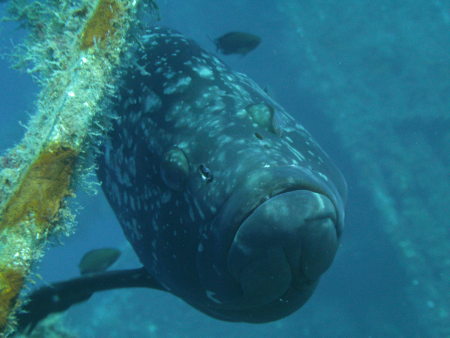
(98, 260)
(237, 43)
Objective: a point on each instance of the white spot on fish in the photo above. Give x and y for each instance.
(152, 102)
(319, 201)
(180, 85)
(322, 175)
(204, 72)
(212, 295)
(166, 197)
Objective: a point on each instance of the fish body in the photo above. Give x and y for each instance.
(228, 201)
(237, 43)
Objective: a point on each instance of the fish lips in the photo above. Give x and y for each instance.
(221, 263)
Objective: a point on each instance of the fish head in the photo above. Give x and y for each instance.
(278, 217)
(267, 203)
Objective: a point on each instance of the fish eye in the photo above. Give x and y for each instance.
(174, 168)
(263, 115)
(206, 173)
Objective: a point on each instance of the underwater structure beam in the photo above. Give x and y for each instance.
(74, 52)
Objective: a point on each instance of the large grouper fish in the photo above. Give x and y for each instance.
(227, 201)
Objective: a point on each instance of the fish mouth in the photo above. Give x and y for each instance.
(272, 240)
(264, 184)
(266, 198)
(283, 247)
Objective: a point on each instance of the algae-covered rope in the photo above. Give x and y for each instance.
(75, 53)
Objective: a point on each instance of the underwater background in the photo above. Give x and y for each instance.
(371, 82)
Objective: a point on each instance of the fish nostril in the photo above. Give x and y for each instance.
(205, 173)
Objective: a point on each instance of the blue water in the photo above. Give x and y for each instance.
(369, 50)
